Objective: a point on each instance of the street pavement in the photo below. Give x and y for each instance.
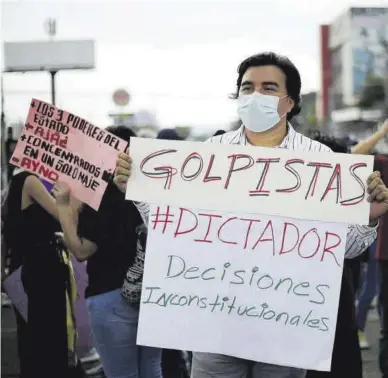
(9, 357)
(9, 360)
(370, 357)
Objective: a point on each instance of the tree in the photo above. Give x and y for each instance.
(373, 92)
(312, 120)
(183, 131)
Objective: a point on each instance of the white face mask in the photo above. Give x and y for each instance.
(259, 112)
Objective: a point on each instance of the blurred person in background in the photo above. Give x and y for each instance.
(219, 132)
(146, 133)
(90, 356)
(5, 254)
(346, 358)
(350, 320)
(268, 95)
(174, 363)
(46, 343)
(10, 145)
(381, 251)
(369, 287)
(168, 134)
(107, 240)
(381, 163)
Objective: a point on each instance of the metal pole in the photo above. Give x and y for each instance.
(52, 74)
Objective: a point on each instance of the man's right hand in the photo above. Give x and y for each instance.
(123, 171)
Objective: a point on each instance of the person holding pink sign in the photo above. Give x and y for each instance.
(106, 239)
(30, 223)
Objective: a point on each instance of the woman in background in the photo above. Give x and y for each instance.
(369, 284)
(346, 358)
(30, 223)
(106, 239)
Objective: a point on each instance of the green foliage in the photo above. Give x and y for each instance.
(312, 120)
(183, 131)
(373, 92)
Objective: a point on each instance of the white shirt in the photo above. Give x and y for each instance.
(359, 238)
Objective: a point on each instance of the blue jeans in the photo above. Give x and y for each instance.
(368, 289)
(207, 365)
(114, 325)
(383, 311)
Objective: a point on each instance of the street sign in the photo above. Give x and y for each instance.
(121, 97)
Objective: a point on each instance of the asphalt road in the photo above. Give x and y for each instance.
(9, 360)
(9, 357)
(371, 369)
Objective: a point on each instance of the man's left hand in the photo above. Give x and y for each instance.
(378, 196)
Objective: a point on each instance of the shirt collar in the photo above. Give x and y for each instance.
(241, 138)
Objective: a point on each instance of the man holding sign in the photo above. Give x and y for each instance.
(268, 94)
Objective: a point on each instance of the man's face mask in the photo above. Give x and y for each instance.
(259, 112)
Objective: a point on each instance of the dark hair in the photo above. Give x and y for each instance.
(122, 132)
(293, 81)
(219, 132)
(335, 144)
(168, 134)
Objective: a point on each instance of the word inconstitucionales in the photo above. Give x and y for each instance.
(156, 296)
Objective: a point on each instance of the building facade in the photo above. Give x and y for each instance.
(353, 50)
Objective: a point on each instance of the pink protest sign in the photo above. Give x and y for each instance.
(58, 145)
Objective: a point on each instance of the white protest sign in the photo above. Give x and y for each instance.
(305, 185)
(252, 286)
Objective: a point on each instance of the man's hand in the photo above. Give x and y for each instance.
(123, 171)
(378, 196)
(61, 193)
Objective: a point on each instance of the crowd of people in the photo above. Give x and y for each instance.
(112, 242)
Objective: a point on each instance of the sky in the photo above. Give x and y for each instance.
(177, 59)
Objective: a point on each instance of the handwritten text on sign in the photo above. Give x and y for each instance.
(304, 185)
(235, 284)
(56, 144)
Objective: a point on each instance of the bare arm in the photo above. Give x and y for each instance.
(39, 194)
(81, 248)
(365, 146)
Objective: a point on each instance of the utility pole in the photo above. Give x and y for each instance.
(51, 31)
(52, 75)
